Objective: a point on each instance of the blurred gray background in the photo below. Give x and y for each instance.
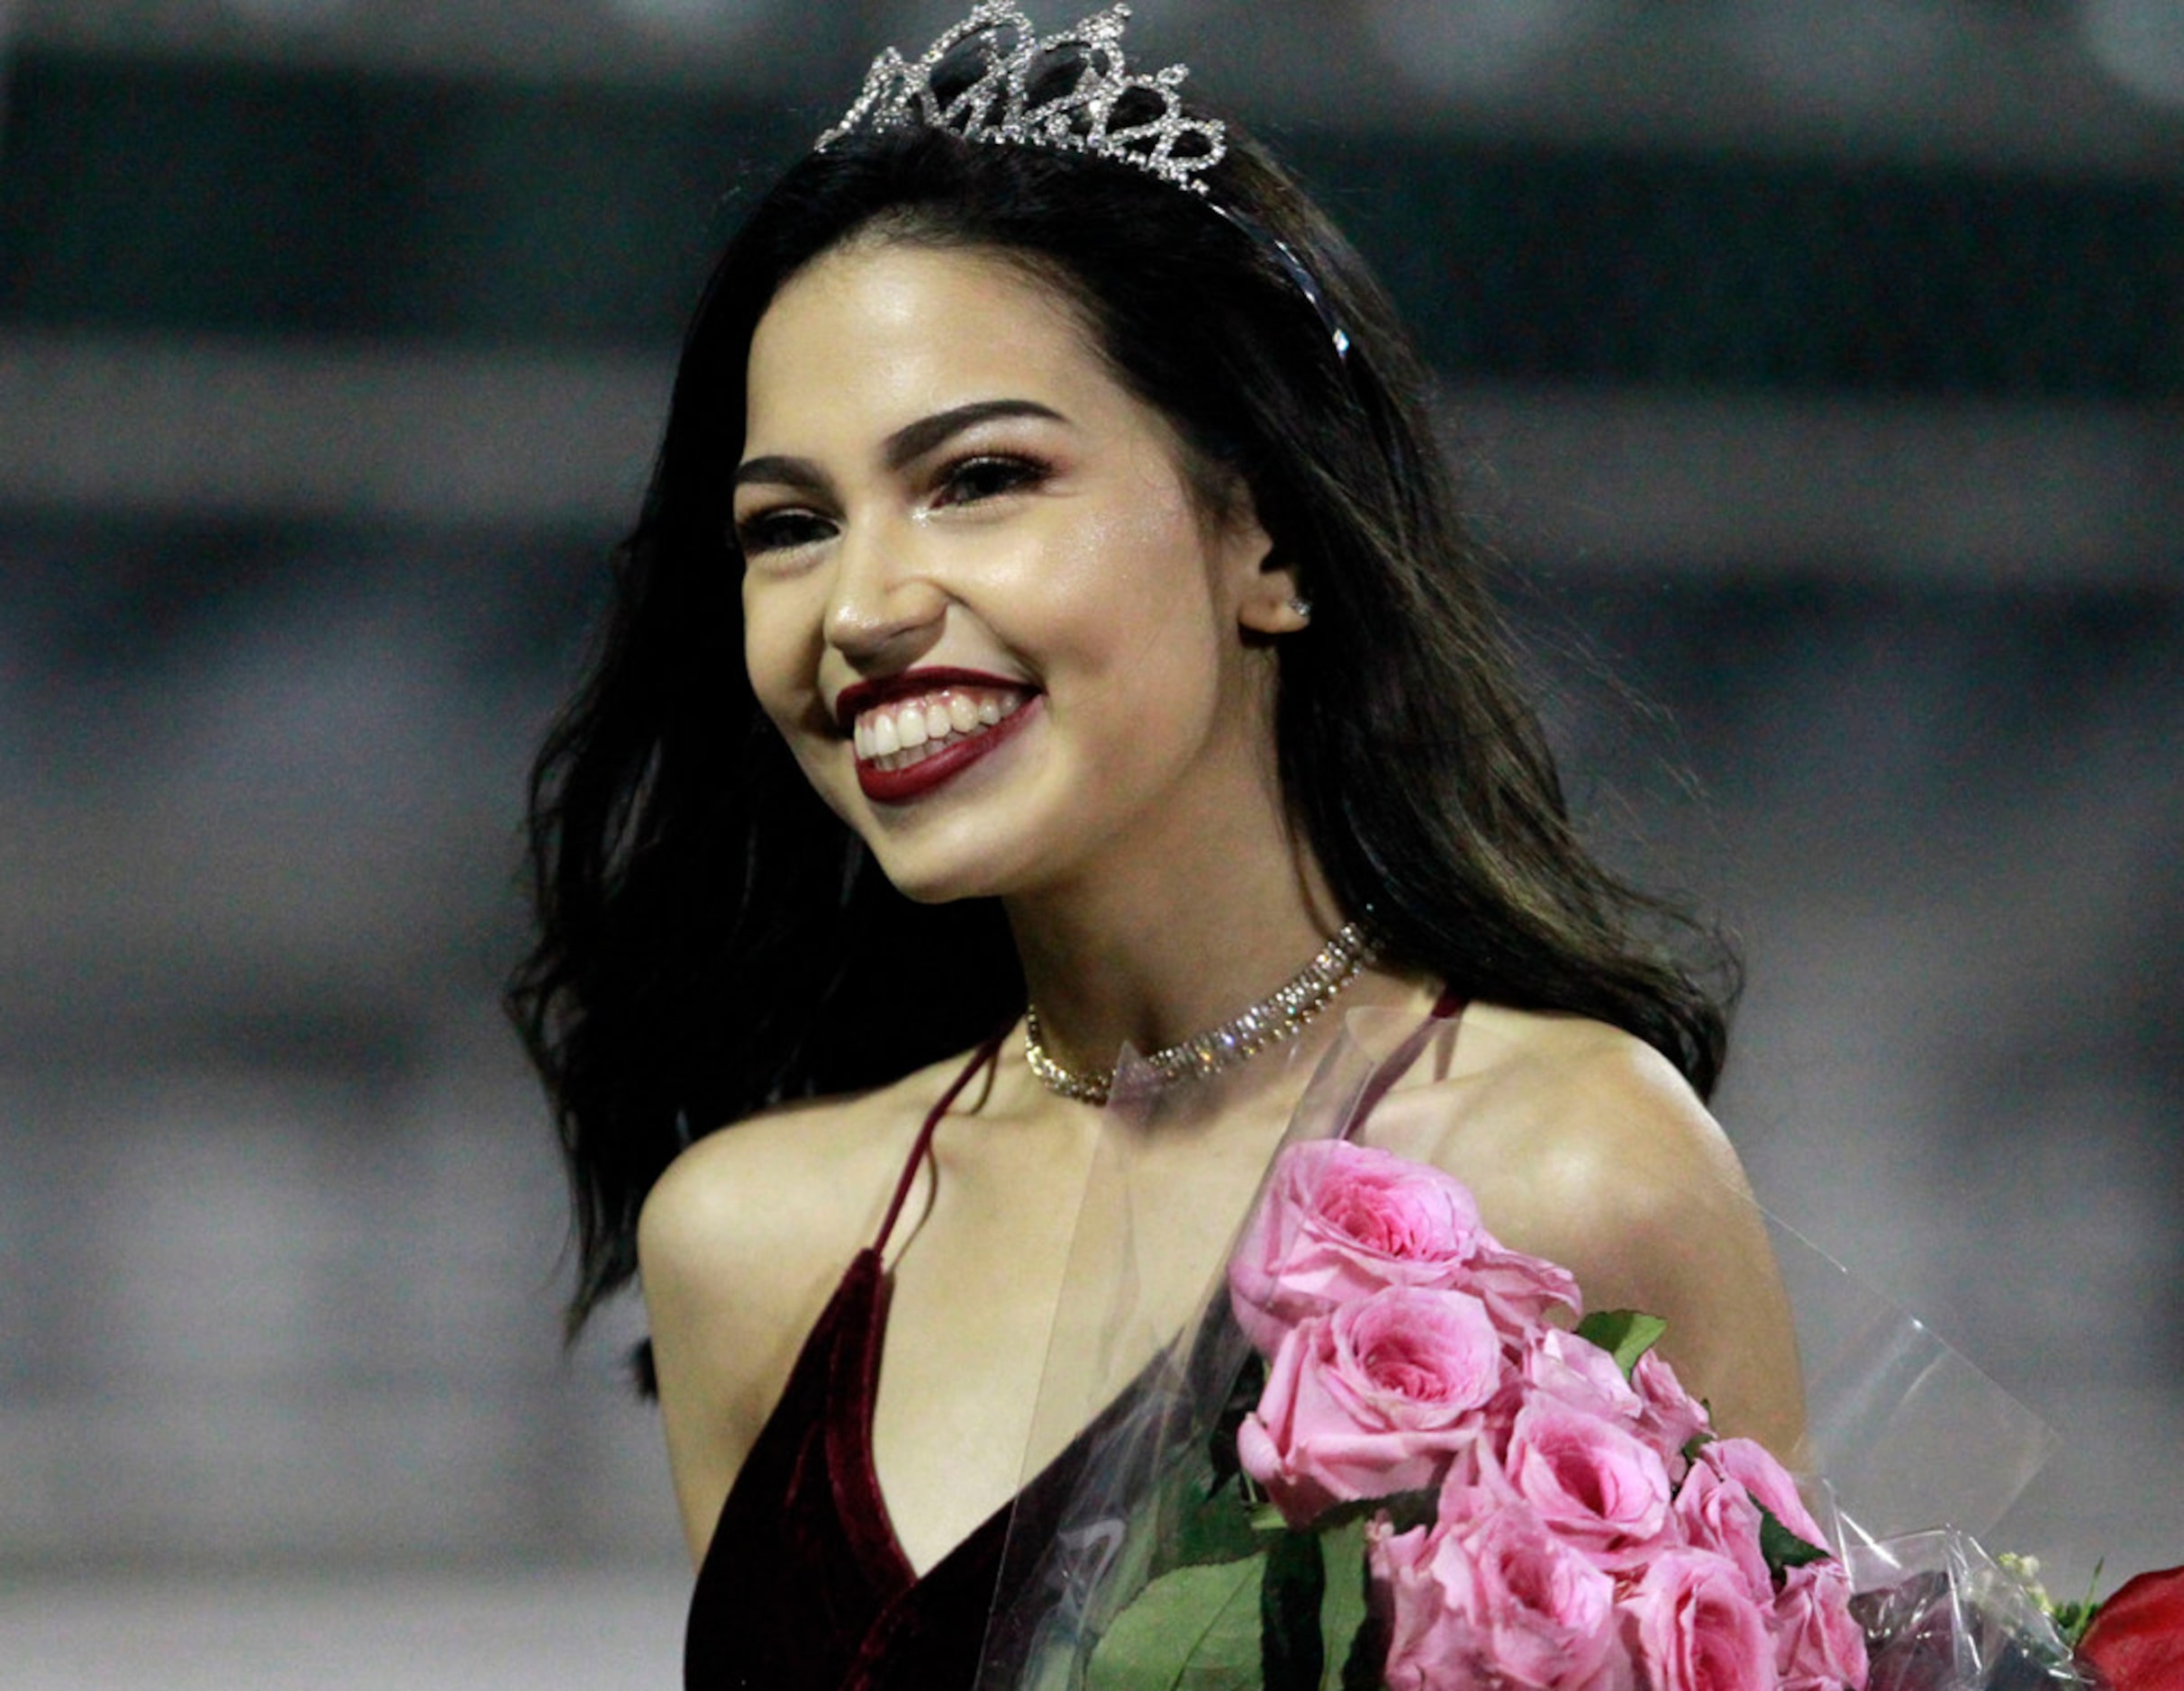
(1819, 361)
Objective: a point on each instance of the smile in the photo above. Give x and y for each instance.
(902, 734)
(915, 731)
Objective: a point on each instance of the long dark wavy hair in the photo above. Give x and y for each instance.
(713, 940)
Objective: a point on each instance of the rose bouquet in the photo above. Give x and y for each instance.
(1444, 1488)
(1392, 1452)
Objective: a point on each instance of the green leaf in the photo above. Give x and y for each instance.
(1196, 1629)
(1214, 1524)
(1626, 1335)
(1784, 1549)
(1343, 1615)
(1404, 1510)
(1293, 1617)
(1291, 1652)
(2073, 1619)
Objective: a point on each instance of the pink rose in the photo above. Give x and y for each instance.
(1696, 1629)
(1372, 1401)
(1577, 1372)
(1498, 1600)
(1519, 1290)
(1716, 1513)
(1746, 1462)
(1425, 1645)
(1593, 1482)
(1466, 1495)
(1671, 1418)
(1817, 1641)
(1340, 1221)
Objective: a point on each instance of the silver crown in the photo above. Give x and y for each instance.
(997, 106)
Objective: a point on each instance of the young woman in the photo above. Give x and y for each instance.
(1049, 630)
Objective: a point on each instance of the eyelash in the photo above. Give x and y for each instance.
(787, 526)
(780, 530)
(1016, 470)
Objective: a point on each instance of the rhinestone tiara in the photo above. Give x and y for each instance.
(998, 105)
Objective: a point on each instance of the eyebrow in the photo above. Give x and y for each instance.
(907, 444)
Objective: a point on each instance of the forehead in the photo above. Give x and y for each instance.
(881, 333)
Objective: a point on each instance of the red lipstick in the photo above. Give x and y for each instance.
(912, 781)
(862, 695)
(900, 786)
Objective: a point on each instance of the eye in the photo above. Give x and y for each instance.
(780, 530)
(987, 476)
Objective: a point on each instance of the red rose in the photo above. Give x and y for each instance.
(2136, 1640)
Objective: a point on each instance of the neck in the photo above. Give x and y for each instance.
(1151, 961)
(1173, 929)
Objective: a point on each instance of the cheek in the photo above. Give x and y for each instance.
(1132, 593)
(778, 656)
(781, 650)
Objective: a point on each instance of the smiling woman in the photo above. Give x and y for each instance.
(1050, 631)
(990, 522)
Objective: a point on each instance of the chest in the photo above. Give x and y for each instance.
(1040, 1279)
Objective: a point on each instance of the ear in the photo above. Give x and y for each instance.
(1270, 598)
(1274, 599)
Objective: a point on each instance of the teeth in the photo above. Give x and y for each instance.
(909, 731)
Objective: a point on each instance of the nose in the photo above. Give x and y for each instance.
(881, 611)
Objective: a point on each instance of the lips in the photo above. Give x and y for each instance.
(918, 731)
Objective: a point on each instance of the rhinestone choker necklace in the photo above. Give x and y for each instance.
(1280, 1015)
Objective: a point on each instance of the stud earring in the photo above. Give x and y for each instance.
(1301, 608)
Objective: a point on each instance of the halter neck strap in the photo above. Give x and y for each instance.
(1448, 1007)
(1393, 1067)
(983, 1057)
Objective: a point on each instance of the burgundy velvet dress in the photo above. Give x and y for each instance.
(805, 1586)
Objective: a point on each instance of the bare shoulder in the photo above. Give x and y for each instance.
(784, 1181)
(1568, 1114)
(741, 1243)
(1586, 1145)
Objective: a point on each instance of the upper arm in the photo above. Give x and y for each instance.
(1660, 1217)
(731, 1284)
(1585, 1147)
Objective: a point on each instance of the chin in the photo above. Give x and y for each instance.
(986, 850)
(942, 884)
(934, 871)
(925, 871)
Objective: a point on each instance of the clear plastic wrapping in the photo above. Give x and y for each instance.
(1136, 1412)
(1942, 1615)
